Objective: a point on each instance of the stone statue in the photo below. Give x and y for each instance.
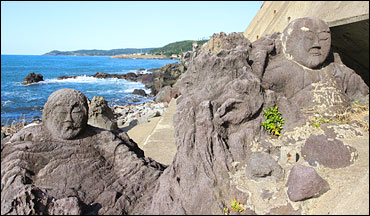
(299, 66)
(65, 114)
(307, 41)
(66, 166)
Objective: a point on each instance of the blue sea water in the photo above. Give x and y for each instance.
(19, 101)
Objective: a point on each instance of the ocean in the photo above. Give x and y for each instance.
(26, 101)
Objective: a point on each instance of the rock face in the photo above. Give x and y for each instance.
(218, 118)
(166, 76)
(164, 95)
(101, 115)
(304, 183)
(333, 154)
(65, 166)
(32, 78)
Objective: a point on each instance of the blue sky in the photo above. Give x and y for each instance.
(34, 28)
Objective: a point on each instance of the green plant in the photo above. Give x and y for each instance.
(235, 206)
(274, 121)
(356, 102)
(318, 120)
(316, 124)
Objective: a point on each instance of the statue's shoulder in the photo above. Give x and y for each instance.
(31, 133)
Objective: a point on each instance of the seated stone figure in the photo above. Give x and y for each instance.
(299, 65)
(66, 166)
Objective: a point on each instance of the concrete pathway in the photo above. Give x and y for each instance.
(156, 138)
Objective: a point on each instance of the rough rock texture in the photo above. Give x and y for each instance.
(141, 112)
(140, 92)
(65, 206)
(101, 115)
(262, 165)
(166, 76)
(164, 95)
(105, 171)
(218, 117)
(304, 182)
(333, 154)
(32, 78)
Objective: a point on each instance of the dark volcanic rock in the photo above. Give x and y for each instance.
(166, 76)
(32, 78)
(304, 182)
(140, 92)
(333, 154)
(101, 115)
(65, 158)
(262, 165)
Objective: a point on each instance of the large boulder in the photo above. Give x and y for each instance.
(140, 92)
(101, 115)
(333, 154)
(164, 95)
(304, 183)
(32, 78)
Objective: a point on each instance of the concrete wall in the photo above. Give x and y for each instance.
(274, 16)
(348, 22)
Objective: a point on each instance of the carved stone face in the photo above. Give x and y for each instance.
(65, 113)
(307, 41)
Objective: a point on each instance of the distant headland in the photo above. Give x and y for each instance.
(168, 51)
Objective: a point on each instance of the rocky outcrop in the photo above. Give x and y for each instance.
(101, 115)
(166, 76)
(140, 92)
(218, 119)
(32, 78)
(129, 76)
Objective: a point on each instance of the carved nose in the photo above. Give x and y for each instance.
(316, 43)
(68, 118)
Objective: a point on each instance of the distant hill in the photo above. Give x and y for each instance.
(96, 52)
(176, 47)
(168, 50)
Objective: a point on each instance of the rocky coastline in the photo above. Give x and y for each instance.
(127, 56)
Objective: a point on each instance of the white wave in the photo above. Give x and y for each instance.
(87, 79)
(4, 103)
(130, 90)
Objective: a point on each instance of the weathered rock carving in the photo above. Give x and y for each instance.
(225, 88)
(100, 172)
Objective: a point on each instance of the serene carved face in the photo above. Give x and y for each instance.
(65, 113)
(307, 41)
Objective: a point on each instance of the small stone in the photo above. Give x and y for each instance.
(262, 165)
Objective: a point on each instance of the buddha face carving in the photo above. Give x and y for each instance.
(65, 113)
(307, 41)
